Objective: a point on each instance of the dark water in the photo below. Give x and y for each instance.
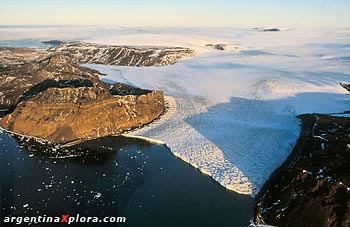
(114, 176)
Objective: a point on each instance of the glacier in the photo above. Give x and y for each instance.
(234, 111)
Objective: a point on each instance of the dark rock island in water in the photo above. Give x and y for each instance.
(49, 96)
(52, 42)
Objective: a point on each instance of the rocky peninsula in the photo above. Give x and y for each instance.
(312, 187)
(48, 95)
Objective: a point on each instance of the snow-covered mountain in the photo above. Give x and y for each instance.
(123, 55)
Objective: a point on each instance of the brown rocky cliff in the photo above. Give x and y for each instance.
(82, 113)
(17, 79)
(49, 96)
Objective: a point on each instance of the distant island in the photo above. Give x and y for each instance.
(52, 42)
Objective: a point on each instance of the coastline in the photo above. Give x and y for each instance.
(170, 104)
(170, 111)
(130, 172)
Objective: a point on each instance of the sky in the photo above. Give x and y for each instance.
(176, 13)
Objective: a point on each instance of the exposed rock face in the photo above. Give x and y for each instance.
(217, 46)
(345, 86)
(271, 30)
(122, 55)
(67, 114)
(312, 188)
(48, 95)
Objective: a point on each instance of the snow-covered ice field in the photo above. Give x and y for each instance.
(235, 116)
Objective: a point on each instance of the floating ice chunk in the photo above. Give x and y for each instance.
(276, 203)
(97, 195)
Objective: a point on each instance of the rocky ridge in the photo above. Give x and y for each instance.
(122, 55)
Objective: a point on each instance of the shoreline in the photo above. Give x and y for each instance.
(171, 108)
(170, 104)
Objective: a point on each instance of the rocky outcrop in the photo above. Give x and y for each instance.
(271, 30)
(49, 96)
(217, 46)
(345, 86)
(122, 55)
(312, 187)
